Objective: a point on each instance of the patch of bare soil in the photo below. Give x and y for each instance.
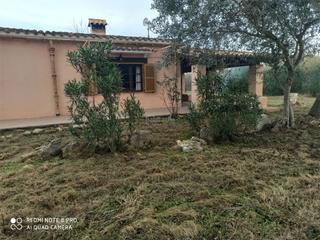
(263, 186)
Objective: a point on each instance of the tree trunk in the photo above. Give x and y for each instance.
(288, 113)
(315, 110)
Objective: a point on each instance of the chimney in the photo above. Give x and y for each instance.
(97, 26)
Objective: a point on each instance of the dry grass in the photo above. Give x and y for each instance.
(304, 102)
(264, 186)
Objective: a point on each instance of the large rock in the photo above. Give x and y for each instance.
(142, 139)
(52, 149)
(75, 149)
(265, 122)
(194, 144)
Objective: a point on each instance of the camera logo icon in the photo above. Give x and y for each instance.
(16, 223)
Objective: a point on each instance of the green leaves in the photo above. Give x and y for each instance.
(109, 85)
(170, 94)
(286, 28)
(91, 53)
(74, 89)
(223, 111)
(132, 112)
(99, 124)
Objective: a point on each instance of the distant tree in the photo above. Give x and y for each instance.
(287, 30)
(146, 22)
(316, 4)
(80, 27)
(315, 109)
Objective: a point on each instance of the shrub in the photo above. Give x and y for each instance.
(238, 84)
(99, 124)
(170, 95)
(133, 113)
(194, 119)
(224, 112)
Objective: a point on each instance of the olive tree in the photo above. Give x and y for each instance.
(285, 30)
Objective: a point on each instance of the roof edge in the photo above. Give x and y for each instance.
(79, 37)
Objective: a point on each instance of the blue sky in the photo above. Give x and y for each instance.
(124, 17)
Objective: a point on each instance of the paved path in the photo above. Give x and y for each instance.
(47, 121)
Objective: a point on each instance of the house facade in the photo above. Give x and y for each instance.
(34, 69)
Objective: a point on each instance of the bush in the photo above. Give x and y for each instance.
(224, 112)
(133, 113)
(238, 84)
(98, 124)
(170, 95)
(193, 118)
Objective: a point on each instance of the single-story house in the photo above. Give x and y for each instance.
(34, 69)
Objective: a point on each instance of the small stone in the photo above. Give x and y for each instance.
(27, 167)
(37, 131)
(141, 157)
(3, 156)
(59, 129)
(27, 133)
(314, 123)
(196, 139)
(194, 144)
(9, 136)
(186, 149)
(76, 126)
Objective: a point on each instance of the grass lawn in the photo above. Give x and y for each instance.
(263, 186)
(304, 102)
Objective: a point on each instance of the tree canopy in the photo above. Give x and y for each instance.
(284, 27)
(287, 30)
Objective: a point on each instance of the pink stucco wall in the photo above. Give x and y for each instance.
(26, 86)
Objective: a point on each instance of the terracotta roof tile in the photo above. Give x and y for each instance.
(24, 33)
(131, 49)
